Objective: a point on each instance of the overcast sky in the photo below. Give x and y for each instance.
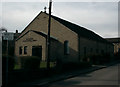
(100, 17)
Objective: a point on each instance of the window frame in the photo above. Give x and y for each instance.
(25, 49)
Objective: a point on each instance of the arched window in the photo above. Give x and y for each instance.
(66, 47)
(20, 50)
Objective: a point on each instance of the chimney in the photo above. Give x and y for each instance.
(16, 31)
(45, 9)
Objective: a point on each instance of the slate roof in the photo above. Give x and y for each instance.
(113, 40)
(81, 30)
(45, 35)
(37, 32)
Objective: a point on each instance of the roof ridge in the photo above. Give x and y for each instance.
(84, 32)
(78, 29)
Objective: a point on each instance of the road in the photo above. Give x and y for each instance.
(105, 76)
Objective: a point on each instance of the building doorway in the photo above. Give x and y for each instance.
(37, 51)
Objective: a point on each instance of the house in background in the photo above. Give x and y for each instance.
(11, 43)
(69, 42)
(116, 43)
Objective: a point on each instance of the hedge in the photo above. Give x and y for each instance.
(11, 63)
(29, 62)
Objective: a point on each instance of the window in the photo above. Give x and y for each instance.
(25, 50)
(20, 50)
(66, 47)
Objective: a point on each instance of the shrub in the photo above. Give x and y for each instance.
(11, 63)
(30, 62)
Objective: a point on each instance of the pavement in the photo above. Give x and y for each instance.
(47, 81)
(99, 78)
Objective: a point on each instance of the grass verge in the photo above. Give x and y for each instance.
(43, 64)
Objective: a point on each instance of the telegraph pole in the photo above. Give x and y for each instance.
(7, 65)
(48, 36)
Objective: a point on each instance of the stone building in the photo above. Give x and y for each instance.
(69, 42)
(116, 43)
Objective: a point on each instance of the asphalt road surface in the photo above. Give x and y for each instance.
(106, 76)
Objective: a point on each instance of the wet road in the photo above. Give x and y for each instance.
(105, 76)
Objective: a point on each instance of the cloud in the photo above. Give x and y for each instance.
(18, 15)
(0, 14)
(60, 0)
(100, 17)
(97, 17)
